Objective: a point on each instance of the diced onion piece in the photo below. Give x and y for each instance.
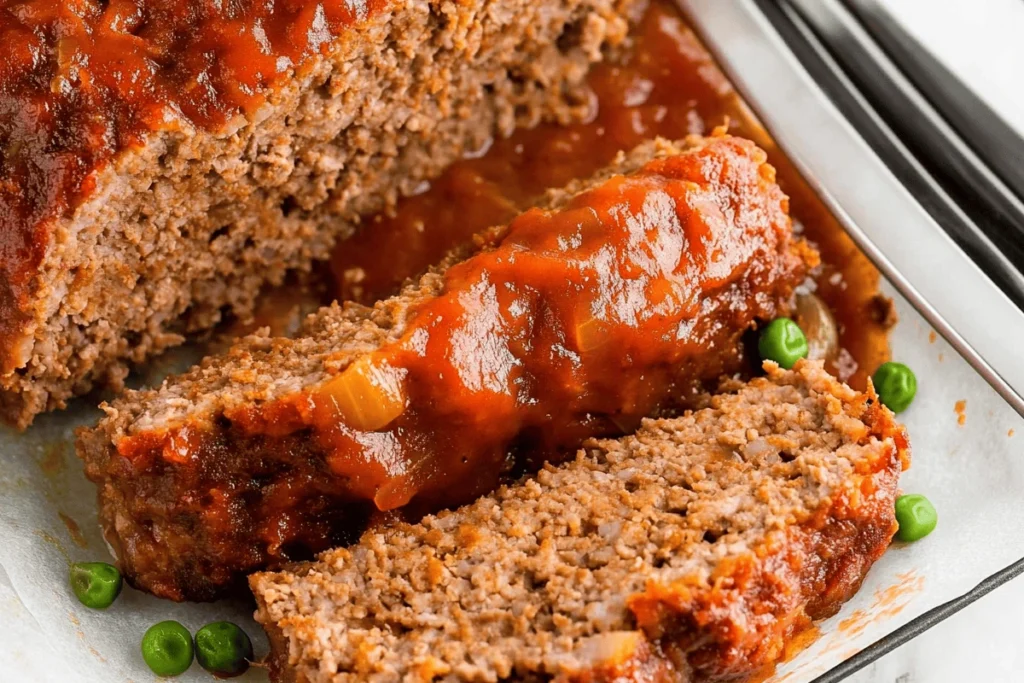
(819, 326)
(611, 648)
(591, 333)
(66, 50)
(368, 396)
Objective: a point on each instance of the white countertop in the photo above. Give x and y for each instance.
(981, 41)
(980, 643)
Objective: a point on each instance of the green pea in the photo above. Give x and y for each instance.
(223, 648)
(783, 342)
(916, 516)
(96, 584)
(896, 385)
(167, 648)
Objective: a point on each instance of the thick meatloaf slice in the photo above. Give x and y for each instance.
(161, 160)
(615, 301)
(689, 551)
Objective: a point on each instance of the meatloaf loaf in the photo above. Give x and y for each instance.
(616, 300)
(161, 160)
(690, 551)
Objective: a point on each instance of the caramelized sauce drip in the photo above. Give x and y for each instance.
(667, 84)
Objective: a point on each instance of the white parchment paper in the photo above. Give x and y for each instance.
(48, 520)
(973, 472)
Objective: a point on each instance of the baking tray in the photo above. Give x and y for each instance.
(850, 157)
(972, 471)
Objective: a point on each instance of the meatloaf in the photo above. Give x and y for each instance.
(692, 550)
(617, 299)
(161, 160)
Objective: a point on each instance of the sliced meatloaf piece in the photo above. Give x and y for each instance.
(161, 160)
(616, 300)
(689, 551)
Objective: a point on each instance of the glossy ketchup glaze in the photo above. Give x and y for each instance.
(665, 84)
(81, 80)
(573, 323)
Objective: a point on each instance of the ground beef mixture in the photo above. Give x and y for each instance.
(690, 551)
(161, 160)
(622, 297)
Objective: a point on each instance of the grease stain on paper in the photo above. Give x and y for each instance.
(887, 603)
(54, 459)
(81, 636)
(74, 530)
(55, 542)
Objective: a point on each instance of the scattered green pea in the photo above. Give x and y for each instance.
(223, 649)
(95, 584)
(896, 385)
(167, 648)
(916, 516)
(783, 342)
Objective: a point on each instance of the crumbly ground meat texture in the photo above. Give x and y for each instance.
(181, 221)
(692, 550)
(247, 461)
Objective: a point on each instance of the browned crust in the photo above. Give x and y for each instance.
(277, 661)
(826, 562)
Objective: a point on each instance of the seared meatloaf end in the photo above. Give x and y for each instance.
(160, 161)
(617, 299)
(692, 550)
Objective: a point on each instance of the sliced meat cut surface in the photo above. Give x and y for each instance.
(615, 299)
(693, 550)
(161, 160)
